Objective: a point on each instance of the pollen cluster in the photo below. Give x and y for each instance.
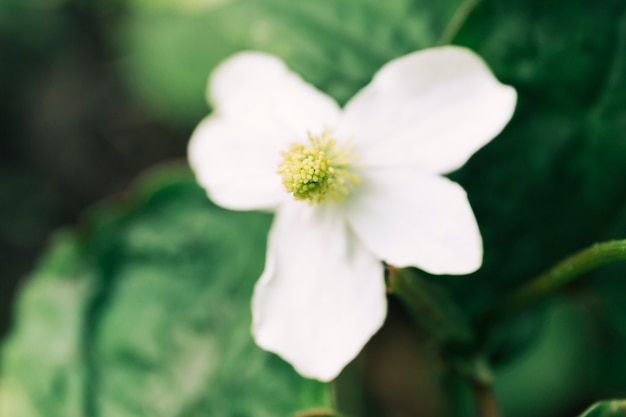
(319, 172)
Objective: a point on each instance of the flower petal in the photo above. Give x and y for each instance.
(408, 218)
(322, 294)
(254, 84)
(260, 108)
(433, 109)
(237, 162)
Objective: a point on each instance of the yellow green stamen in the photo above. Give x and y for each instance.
(320, 172)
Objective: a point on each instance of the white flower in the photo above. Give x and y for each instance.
(350, 187)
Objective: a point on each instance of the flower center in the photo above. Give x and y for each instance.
(319, 172)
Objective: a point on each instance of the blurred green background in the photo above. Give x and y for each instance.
(72, 129)
(140, 307)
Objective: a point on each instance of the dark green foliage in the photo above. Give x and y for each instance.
(551, 183)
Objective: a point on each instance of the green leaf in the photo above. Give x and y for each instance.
(553, 372)
(614, 408)
(147, 312)
(532, 188)
(552, 183)
(335, 44)
(41, 362)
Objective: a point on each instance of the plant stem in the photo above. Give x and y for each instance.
(457, 21)
(428, 308)
(561, 274)
(485, 401)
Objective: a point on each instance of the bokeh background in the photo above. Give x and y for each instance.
(94, 93)
(73, 128)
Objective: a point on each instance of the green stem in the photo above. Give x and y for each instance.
(485, 401)
(555, 278)
(427, 307)
(457, 21)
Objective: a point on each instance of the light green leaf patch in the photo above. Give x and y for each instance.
(335, 44)
(146, 312)
(614, 408)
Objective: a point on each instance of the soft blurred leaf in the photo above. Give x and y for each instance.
(552, 373)
(614, 408)
(605, 300)
(147, 313)
(42, 359)
(335, 44)
(551, 183)
(532, 189)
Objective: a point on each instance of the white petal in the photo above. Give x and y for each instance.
(257, 84)
(408, 218)
(237, 162)
(433, 109)
(322, 294)
(260, 108)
